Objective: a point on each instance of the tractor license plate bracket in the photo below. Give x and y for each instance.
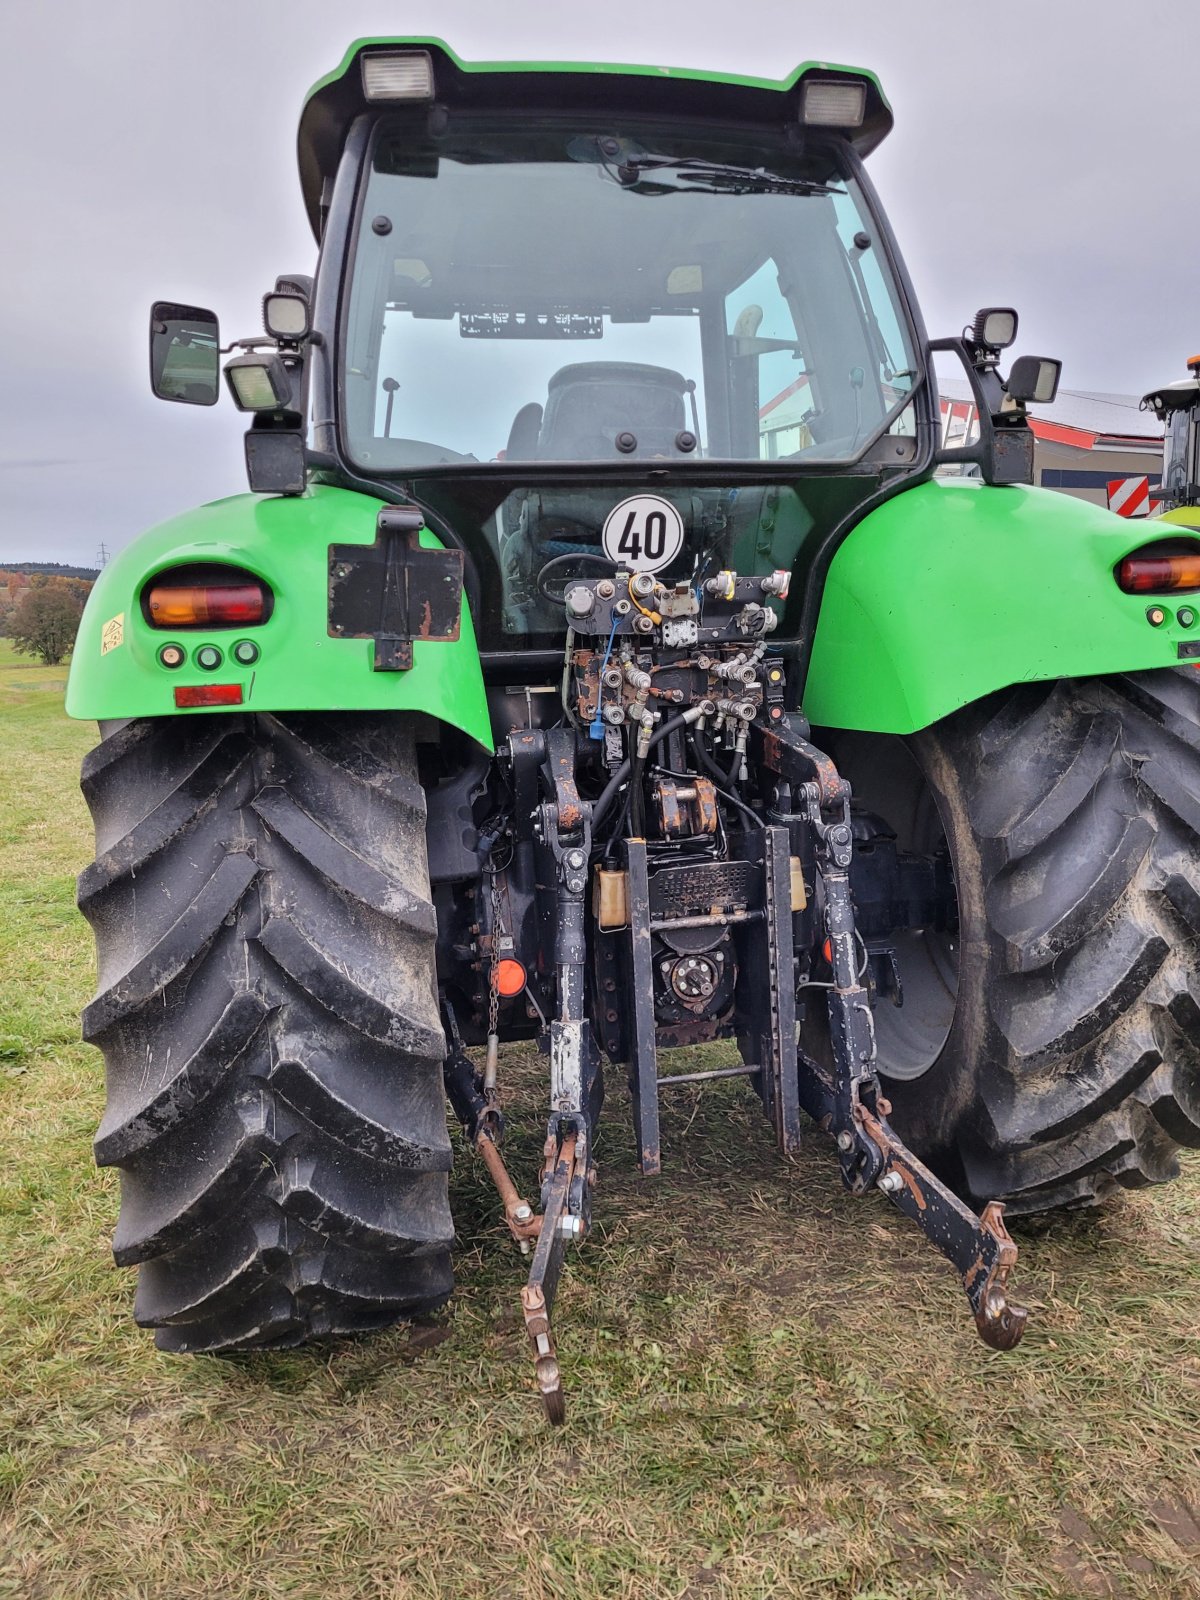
(395, 590)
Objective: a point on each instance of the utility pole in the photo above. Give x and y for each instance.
(102, 555)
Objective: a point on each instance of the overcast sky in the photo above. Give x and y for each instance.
(1044, 156)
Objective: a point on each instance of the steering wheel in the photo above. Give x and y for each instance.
(569, 565)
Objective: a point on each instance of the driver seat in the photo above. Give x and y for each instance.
(590, 402)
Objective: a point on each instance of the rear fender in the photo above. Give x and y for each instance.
(954, 589)
(116, 673)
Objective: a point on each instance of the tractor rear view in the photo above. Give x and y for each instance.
(597, 660)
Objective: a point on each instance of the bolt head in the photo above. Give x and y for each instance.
(523, 1213)
(845, 1140)
(891, 1183)
(575, 859)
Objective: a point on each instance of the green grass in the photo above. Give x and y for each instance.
(773, 1389)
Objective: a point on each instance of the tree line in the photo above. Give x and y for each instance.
(40, 612)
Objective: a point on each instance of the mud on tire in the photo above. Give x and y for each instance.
(268, 1016)
(1072, 1064)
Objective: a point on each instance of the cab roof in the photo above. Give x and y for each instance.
(584, 86)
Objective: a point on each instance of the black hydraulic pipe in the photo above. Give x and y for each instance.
(622, 773)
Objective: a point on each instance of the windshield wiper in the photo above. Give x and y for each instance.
(674, 174)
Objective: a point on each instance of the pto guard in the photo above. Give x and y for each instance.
(115, 671)
(955, 589)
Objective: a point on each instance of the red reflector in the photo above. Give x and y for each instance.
(208, 694)
(197, 605)
(1159, 574)
(510, 978)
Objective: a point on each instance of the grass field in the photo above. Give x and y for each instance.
(773, 1389)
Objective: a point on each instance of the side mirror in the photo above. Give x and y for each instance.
(185, 348)
(1034, 378)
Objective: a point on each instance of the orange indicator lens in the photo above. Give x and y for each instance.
(510, 978)
(200, 605)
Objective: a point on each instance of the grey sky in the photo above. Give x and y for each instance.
(1044, 156)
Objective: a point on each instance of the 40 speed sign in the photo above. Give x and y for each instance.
(643, 533)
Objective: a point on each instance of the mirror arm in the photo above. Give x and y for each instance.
(1004, 449)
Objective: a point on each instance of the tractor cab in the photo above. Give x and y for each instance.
(547, 309)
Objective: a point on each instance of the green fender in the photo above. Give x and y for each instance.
(115, 671)
(954, 589)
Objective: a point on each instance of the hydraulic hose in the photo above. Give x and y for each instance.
(684, 719)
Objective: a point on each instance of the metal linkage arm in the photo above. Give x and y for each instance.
(980, 1247)
(559, 1226)
(847, 1102)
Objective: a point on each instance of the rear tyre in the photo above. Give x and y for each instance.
(1067, 1062)
(268, 1015)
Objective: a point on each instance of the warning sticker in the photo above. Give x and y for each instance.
(112, 633)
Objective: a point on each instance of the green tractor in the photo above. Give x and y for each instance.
(599, 660)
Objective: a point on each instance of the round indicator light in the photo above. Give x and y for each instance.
(1186, 616)
(172, 655)
(1155, 616)
(208, 657)
(246, 651)
(510, 978)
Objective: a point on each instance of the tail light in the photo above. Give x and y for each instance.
(1169, 567)
(207, 597)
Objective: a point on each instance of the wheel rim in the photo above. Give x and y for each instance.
(887, 780)
(911, 1037)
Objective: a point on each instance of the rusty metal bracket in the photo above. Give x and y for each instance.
(395, 590)
(782, 750)
(979, 1247)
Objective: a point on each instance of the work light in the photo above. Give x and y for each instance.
(833, 103)
(285, 316)
(995, 327)
(397, 75)
(258, 382)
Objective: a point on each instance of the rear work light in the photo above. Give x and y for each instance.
(1155, 570)
(397, 75)
(833, 103)
(189, 696)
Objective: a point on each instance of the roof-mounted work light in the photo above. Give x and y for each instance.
(397, 75)
(258, 382)
(833, 103)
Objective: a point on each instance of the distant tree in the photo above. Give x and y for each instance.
(45, 621)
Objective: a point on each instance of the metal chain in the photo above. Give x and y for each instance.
(491, 1065)
(494, 971)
